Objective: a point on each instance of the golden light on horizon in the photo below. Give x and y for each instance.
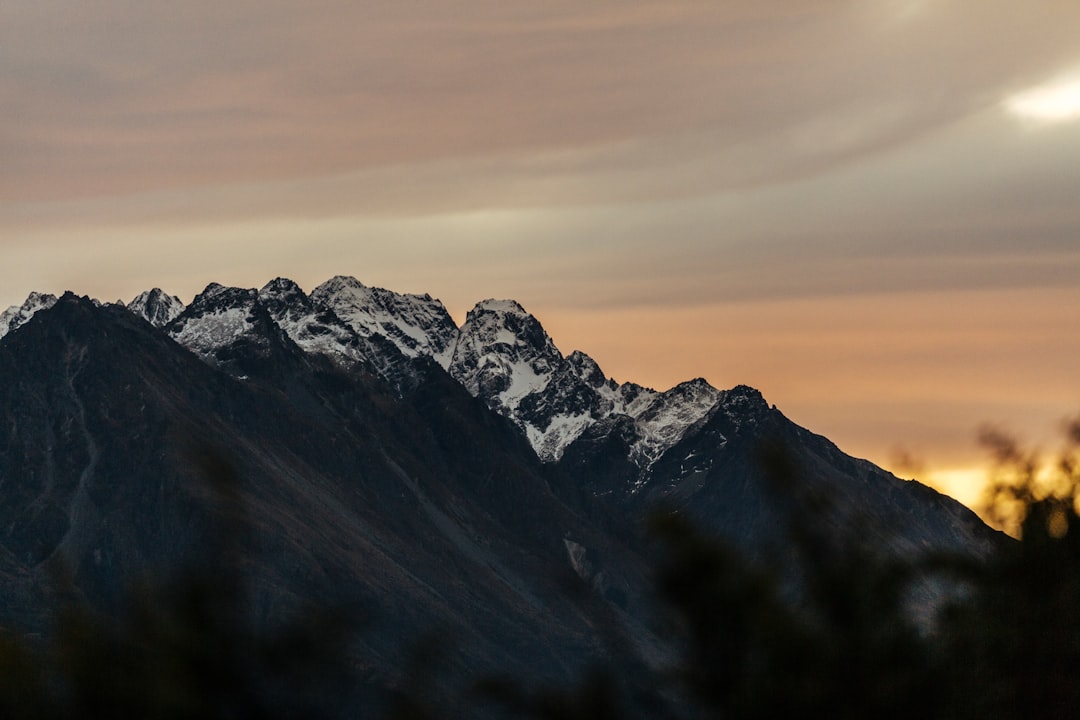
(965, 484)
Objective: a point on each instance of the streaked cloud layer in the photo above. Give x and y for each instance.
(742, 171)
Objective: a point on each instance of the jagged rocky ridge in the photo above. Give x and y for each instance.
(501, 354)
(17, 315)
(156, 307)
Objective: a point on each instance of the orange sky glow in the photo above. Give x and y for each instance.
(866, 209)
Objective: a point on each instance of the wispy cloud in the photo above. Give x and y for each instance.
(131, 97)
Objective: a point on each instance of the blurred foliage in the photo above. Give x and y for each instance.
(1024, 491)
(1016, 640)
(749, 639)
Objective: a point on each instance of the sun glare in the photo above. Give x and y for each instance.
(1056, 101)
(963, 484)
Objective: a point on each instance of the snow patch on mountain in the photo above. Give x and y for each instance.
(561, 431)
(218, 317)
(663, 418)
(214, 330)
(17, 315)
(314, 329)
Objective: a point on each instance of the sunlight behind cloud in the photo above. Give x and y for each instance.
(1056, 101)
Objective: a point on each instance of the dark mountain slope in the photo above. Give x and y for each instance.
(750, 475)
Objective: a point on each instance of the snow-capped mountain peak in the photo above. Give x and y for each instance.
(418, 325)
(588, 370)
(503, 354)
(506, 357)
(156, 307)
(213, 290)
(500, 307)
(218, 317)
(17, 315)
(316, 328)
(313, 329)
(284, 291)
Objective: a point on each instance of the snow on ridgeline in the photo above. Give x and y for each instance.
(217, 318)
(416, 324)
(660, 418)
(505, 357)
(314, 329)
(501, 354)
(156, 307)
(317, 329)
(17, 315)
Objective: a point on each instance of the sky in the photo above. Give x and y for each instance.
(867, 209)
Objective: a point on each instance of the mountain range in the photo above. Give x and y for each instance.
(469, 479)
